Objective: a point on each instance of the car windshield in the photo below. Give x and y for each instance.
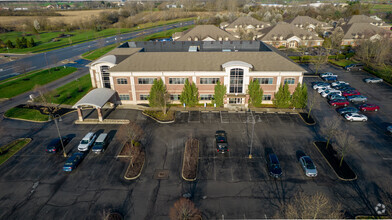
(309, 164)
(221, 139)
(84, 142)
(68, 163)
(275, 166)
(98, 144)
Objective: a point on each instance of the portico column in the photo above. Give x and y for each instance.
(80, 114)
(99, 114)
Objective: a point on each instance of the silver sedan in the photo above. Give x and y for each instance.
(373, 80)
(308, 166)
(357, 98)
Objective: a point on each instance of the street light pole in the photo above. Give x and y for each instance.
(61, 139)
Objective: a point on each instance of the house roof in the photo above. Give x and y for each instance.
(365, 29)
(116, 55)
(285, 30)
(96, 98)
(247, 20)
(362, 19)
(308, 20)
(205, 31)
(204, 61)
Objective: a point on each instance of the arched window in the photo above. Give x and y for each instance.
(236, 80)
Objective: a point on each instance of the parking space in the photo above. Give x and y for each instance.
(194, 117)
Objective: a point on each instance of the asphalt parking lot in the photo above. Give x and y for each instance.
(229, 186)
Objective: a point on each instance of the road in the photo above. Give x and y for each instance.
(47, 59)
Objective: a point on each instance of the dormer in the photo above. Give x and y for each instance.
(226, 38)
(310, 37)
(220, 38)
(304, 37)
(196, 39)
(281, 38)
(189, 39)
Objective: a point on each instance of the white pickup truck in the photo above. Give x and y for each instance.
(328, 74)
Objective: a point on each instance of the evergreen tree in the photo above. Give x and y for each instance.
(158, 95)
(1, 43)
(296, 98)
(23, 42)
(10, 44)
(190, 94)
(304, 96)
(282, 97)
(220, 91)
(30, 43)
(18, 43)
(255, 93)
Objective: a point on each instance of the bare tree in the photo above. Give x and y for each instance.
(331, 129)
(336, 38)
(184, 209)
(131, 132)
(311, 104)
(319, 59)
(316, 206)
(345, 143)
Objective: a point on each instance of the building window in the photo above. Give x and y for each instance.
(122, 81)
(266, 97)
(265, 80)
(105, 76)
(146, 80)
(177, 80)
(209, 80)
(206, 97)
(289, 81)
(236, 80)
(124, 97)
(144, 97)
(174, 97)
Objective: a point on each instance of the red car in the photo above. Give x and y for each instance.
(350, 93)
(369, 107)
(339, 102)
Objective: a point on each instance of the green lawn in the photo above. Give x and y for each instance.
(13, 147)
(45, 41)
(384, 72)
(25, 113)
(162, 34)
(94, 54)
(380, 8)
(341, 63)
(72, 92)
(26, 83)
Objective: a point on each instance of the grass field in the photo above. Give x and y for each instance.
(163, 34)
(341, 63)
(45, 41)
(94, 54)
(13, 148)
(72, 92)
(375, 8)
(26, 83)
(25, 113)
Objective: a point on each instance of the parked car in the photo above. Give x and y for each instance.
(320, 90)
(73, 161)
(389, 129)
(342, 87)
(369, 107)
(357, 98)
(321, 85)
(340, 102)
(346, 110)
(273, 164)
(373, 80)
(221, 142)
(55, 144)
(350, 93)
(355, 117)
(308, 166)
(339, 83)
(346, 88)
(354, 67)
(87, 141)
(330, 78)
(335, 96)
(100, 144)
(328, 74)
(317, 83)
(329, 91)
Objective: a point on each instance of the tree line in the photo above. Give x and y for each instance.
(19, 43)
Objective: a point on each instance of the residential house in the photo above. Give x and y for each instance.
(310, 24)
(354, 33)
(245, 24)
(368, 20)
(203, 33)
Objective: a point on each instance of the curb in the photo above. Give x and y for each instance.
(183, 164)
(314, 143)
(140, 172)
(21, 119)
(18, 150)
(305, 121)
(162, 122)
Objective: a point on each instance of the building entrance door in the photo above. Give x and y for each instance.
(235, 101)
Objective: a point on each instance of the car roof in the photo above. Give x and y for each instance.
(88, 135)
(101, 137)
(273, 158)
(54, 141)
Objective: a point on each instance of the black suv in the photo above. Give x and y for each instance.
(55, 144)
(354, 67)
(221, 142)
(274, 169)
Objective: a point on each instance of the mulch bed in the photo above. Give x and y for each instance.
(308, 120)
(134, 169)
(191, 158)
(159, 116)
(44, 110)
(344, 171)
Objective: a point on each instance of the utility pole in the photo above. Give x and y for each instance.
(58, 131)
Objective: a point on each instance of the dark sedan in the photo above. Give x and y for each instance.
(273, 164)
(55, 144)
(339, 102)
(221, 142)
(369, 107)
(73, 161)
(346, 110)
(350, 93)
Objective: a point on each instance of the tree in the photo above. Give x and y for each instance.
(316, 206)
(300, 96)
(184, 209)
(345, 142)
(282, 97)
(158, 95)
(23, 41)
(336, 38)
(18, 43)
(190, 94)
(10, 44)
(312, 103)
(131, 132)
(331, 129)
(220, 91)
(319, 59)
(255, 93)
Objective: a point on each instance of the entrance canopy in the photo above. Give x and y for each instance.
(96, 98)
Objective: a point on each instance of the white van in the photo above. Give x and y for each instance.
(100, 143)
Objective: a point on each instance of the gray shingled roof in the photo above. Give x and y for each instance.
(204, 31)
(247, 20)
(362, 19)
(116, 55)
(203, 61)
(97, 98)
(366, 29)
(308, 20)
(286, 31)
